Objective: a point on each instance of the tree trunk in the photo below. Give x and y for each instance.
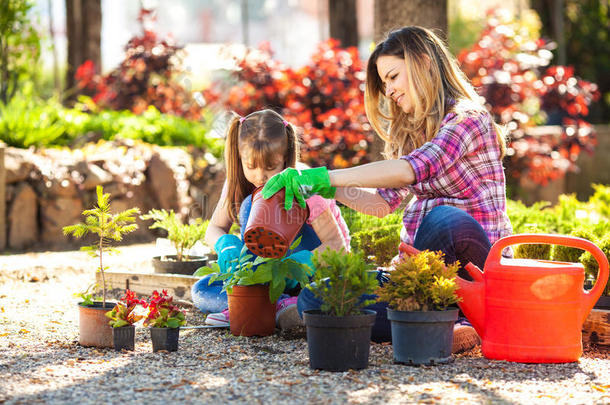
(343, 21)
(395, 14)
(84, 26)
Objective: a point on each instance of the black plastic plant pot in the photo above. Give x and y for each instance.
(170, 265)
(422, 337)
(124, 337)
(339, 343)
(164, 339)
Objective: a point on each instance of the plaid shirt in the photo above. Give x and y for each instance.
(461, 167)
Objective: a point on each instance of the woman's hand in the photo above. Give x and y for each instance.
(299, 185)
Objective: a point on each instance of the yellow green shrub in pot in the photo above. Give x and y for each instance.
(419, 292)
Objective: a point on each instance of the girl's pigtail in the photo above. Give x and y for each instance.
(233, 167)
(292, 150)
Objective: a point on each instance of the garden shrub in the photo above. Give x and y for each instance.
(357, 221)
(324, 98)
(508, 66)
(570, 254)
(591, 266)
(381, 243)
(533, 250)
(149, 75)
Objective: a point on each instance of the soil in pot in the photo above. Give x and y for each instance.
(250, 311)
(170, 264)
(422, 337)
(165, 339)
(124, 337)
(339, 343)
(94, 329)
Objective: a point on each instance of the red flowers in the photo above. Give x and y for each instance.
(122, 313)
(162, 313)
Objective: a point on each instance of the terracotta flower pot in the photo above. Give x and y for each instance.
(94, 329)
(271, 229)
(250, 311)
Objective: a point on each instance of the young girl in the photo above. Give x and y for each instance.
(257, 147)
(441, 146)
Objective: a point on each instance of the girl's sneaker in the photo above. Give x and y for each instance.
(218, 318)
(286, 315)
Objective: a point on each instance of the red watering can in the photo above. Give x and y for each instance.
(530, 311)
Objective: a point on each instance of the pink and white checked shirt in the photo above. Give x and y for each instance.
(461, 167)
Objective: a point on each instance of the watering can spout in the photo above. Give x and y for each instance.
(472, 294)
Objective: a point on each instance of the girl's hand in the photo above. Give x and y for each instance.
(299, 185)
(228, 248)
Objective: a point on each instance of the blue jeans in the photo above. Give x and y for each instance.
(448, 229)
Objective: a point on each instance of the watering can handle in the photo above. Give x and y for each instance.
(571, 241)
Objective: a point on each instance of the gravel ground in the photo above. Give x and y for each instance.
(41, 361)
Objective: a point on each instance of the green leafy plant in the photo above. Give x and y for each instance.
(123, 312)
(87, 295)
(421, 283)
(570, 254)
(340, 281)
(379, 243)
(163, 313)
(19, 46)
(262, 270)
(182, 236)
(108, 227)
(538, 251)
(591, 266)
(357, 221)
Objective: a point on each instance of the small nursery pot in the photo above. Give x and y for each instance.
(250, 311)
(93, 326)
(271, 229)
(124, 337)
(422, 337)
(339, 343)
(164, 339)
(171, 265)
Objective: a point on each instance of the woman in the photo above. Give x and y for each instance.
(441, 146)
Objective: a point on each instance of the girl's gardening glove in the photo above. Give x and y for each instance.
(300, 184)
(228, 248)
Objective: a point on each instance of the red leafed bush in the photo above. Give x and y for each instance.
(508, 67)
(147, 77)
(324, 99)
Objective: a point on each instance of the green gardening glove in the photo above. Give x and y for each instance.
(300, 185)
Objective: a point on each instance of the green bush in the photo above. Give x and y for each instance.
(381, 243)
(570, 254)
(28, 121)
(421, 283)
(357, 221)
(591, 266)
(340, 280)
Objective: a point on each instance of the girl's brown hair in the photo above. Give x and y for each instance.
(264, 137)
(433, 79)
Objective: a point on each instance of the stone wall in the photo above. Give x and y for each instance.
(48, 189)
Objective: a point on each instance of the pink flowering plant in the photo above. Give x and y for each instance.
(162, 313)
(123, 312)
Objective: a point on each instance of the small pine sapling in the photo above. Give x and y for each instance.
(340, 281)
(182, 236)
(108, 227)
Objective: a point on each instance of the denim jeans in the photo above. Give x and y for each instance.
(448, 229)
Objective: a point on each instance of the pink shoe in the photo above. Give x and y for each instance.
(286, 315)
(218, 318)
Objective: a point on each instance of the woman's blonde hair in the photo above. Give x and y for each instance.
(263, 136)
(436, 85)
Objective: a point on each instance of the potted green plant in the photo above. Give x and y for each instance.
(122, 317)
(183, 237)
(420, 290)
(164, 319)
(339, 333)
(253, 288)
(93, 327)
